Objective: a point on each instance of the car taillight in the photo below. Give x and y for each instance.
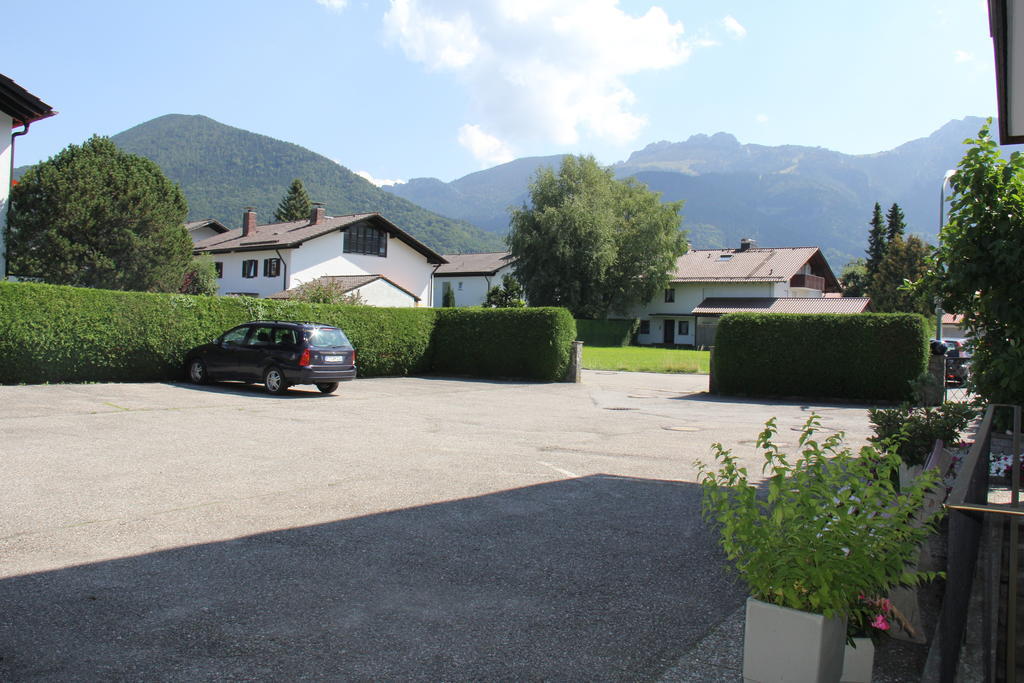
(353, 356)
(304, 358)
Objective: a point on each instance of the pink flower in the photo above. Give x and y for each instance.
(880, 623)
(885, 605)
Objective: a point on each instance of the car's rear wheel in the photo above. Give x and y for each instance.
(197, 372)
(327, 387)
(274, 381)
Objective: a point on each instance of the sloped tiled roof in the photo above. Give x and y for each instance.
(723, 305)
(211, 223)
(20, 104)
(777, 264)
(475, 264)
(346, 283)
(290, 235)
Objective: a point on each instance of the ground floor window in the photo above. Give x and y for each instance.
(645, 327)
(683, 328)
(250, 268)
(271, 267)
(219, 267)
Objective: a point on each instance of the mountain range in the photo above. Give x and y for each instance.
(785, 195)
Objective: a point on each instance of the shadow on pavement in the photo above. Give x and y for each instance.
(594, 578)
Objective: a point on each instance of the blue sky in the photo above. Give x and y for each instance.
(410, 88)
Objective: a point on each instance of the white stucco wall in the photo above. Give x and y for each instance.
(385, 295)
(473, 289)
(324, 255)
(403, 265)
(5, 183)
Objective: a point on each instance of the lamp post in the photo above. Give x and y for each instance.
(942, 222)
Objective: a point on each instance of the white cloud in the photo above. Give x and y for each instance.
(761, 118)
(379, 182)
(541, 69)
(484, 147)
(336, 5)
(961, 56)
(734, 27)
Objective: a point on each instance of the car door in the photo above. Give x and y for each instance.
(222, 359)
(253, 356)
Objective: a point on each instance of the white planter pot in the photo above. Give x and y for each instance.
(859, 661)
(782, 644)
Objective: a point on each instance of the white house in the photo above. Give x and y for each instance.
(262, 260)
(471, 276)
(18, 109)
(708, 283)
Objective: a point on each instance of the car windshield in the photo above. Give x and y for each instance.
(327, 337)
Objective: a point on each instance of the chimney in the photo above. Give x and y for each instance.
(248, 221)
(747, 243)
(317, 214)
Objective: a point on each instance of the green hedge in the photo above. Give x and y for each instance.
(868, 356)
(606, 332)
(71, 334)
(504, 342)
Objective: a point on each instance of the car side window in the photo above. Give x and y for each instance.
(262, 336)
(235, 337)
(284, 336)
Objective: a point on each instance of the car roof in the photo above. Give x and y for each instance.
(295, 323)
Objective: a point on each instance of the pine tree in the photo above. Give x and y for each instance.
(295, 206)
(895, 226)
(876, 241)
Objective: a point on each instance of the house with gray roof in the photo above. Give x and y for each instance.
(471, 276)
(709, 283)
(208, 227)
(261, 260)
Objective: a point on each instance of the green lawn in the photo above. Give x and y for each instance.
(644, 359)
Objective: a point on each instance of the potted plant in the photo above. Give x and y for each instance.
(830, 528)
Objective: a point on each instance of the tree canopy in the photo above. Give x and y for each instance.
(903, 261)
(295, 205)
(95, 216)
(978, 264)
(876, 239)
(592, 243)
(508, 295)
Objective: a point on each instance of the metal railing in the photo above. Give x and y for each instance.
(968, 504)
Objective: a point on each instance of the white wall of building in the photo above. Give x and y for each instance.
(470, 290)
(324, 255)
(385, 295)
(687, 297)
(5, 183)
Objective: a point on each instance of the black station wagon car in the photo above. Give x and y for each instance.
(276, 353)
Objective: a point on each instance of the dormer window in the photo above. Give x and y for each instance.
(725, 257)
(366, 239)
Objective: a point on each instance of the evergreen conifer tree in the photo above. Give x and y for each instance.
(295, 206)
(895, 226)
(876, 241)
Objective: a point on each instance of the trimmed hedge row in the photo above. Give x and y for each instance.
(503, 342)
(606, 332)
(51, 333)
(868, 356)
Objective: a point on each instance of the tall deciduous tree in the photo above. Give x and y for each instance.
(895, 225)
(96, 216)
(592, 243)
(876, 240)
(904, 261)
(978, 265)
(854, 278)
(295, 205)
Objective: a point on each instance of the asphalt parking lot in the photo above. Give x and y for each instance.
(413, 528)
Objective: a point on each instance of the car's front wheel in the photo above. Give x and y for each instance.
(197, 372)
(274, 381)
(327, 387)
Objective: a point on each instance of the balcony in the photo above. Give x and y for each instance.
(808, 281)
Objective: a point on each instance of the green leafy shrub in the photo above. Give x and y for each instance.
(70, 334)
(504, 342)
(916, 429)
(868, 356)
(832, 526)
(606, 332)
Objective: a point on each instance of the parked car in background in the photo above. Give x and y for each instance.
(958, 359)
(279, 354)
